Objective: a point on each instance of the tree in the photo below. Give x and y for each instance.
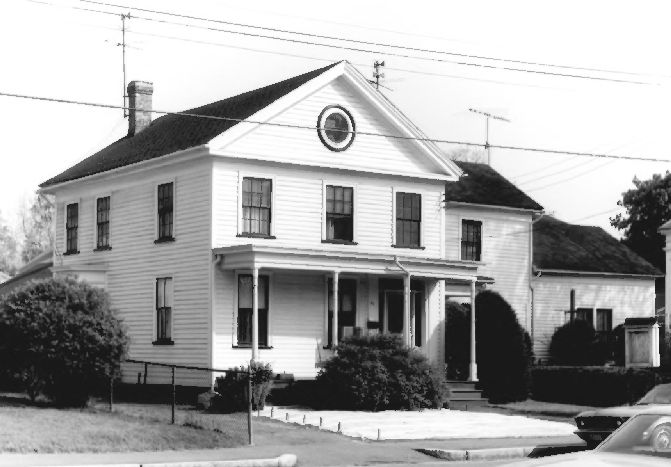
(8, 250)
(647, 208)
(468, 154)
(61, 339)
(37, 227)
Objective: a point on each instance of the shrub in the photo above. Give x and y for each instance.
(457, 340)
(379, 373)
(598, 386)
(61, 338)
(574, 344)
(503, 351)
(232, 388)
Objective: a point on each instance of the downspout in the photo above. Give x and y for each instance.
(400, 266)
(531, 275)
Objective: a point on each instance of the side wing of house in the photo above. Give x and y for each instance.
(604, 301)
(503, 239)
(158, 278)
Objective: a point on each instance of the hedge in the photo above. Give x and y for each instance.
(597, 386)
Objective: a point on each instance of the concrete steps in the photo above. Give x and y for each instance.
(465, 395)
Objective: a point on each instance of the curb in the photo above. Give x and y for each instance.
(285, 460)
(478, 454)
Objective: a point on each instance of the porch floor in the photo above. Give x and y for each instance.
(425, 424)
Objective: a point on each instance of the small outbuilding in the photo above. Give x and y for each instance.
(585, 272)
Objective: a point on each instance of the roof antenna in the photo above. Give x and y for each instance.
(377, 75)
(488, 116)
(123, 46)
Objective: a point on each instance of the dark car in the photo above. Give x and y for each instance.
(595, 425)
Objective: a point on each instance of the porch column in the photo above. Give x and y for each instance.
(334, 322)
(473, 367)
(255, 314)
(406, 310)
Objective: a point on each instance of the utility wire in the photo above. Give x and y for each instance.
(371, 43)
(308, 127)
(582, 174)
(376, 52)
(516, 178)
(558, 172)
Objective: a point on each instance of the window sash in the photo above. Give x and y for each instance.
(71, 227)
(102, 222)
(256, 205)
(604, 320)
(165, 210)
(164, 297)
(408, 219)
(471, 240)
(244, 324)
(339, 213)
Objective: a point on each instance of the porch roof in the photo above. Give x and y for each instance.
(269, 257)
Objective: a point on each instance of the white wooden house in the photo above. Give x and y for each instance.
(221, 240)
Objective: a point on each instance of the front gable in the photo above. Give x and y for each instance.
(286, 132)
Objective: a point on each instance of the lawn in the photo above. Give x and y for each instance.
(25, 427)
(533, 407)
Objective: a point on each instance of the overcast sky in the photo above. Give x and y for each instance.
(53, 50)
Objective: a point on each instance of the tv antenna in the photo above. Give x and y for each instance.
(377, 75)
(487, 116)
(123, 46)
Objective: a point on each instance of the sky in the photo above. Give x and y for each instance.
(52, 48)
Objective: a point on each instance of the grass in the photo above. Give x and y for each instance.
(532, 407)
(31, 428)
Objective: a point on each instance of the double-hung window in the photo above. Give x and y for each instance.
(165, 207)
(164, 310)
(245, 292)
(103, 223)
(408, 219)
(604, 321)
(339, 213)
(256, 206)
(71, 228)
(471, 240)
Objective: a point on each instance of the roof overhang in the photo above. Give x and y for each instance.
(462, 204)
(666, 227)
(245, 257)
(540, 272)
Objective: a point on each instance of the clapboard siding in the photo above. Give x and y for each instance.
(303, 146)
(135, 261)
(626, 297)
(297, 211)
(505, 252)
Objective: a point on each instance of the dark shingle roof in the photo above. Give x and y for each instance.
(484, 185)
(562, 246)
(171, 133)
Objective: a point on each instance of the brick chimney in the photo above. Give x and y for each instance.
(139, 101)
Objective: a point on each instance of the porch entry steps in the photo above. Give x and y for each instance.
(465, 395)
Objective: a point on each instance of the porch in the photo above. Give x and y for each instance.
(290, 307)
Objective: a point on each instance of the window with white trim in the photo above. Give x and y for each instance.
(71, 228)
(256, 206)
(339, 213)
(408, 219)
(164, 297)
(103, 223)
(245, 292)
(471, 240)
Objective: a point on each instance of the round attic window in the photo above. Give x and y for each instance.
(335, 127)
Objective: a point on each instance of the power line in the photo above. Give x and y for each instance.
(516, 178)
(362, 50)
(313, 128)
(558, 172)
(372, 43)
(582, 174)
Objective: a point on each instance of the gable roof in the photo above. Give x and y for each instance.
(171, 132)
(484, 185)
(562, 246)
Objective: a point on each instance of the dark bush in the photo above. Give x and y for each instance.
(503, 352)
(574, 343)
(379, 373)
(598, 386)
(457, 340)
(232, 388)
(61, 338)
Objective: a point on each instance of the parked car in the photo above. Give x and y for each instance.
(642, 441)
(595, 425)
